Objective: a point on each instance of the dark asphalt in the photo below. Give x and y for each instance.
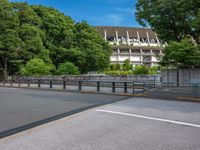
(21, 107)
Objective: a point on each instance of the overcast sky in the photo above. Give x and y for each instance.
(95, 12)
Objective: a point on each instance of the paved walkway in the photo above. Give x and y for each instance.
(136, 123)
(173, 93)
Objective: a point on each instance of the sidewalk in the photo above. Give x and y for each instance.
(174, 93)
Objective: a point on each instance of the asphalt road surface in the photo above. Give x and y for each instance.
(132, 124)
(22, 108)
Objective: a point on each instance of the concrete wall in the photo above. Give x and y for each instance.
(184, 76)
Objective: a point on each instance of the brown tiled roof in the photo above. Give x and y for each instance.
(122, 31)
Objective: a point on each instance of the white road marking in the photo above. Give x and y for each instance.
(150, 118)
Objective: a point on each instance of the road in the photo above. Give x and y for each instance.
(135, 123)
(20, 108)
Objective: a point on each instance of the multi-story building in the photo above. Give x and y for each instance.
(140, 45)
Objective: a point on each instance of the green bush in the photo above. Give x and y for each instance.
(127, 65)
(118, 72)
(137, 70)
(114, 67)
(67, 68)
(153, 70)
(36, 67)
(141, 70)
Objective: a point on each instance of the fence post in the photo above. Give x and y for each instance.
(113, 87)
(39, 83)
(195, 89)
(50, 84)
(177, 77)
(125, 87)
(98, 86)
(64, 84)
(80, 87)
(19, 84)
(28, 84)
(144, 87)
(154, 85)
(133, 87)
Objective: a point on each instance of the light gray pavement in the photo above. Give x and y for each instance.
(133, 124)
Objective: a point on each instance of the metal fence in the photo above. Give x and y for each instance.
(133, 87)
(196, 87)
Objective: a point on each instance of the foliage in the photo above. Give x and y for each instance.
(127, 66)
(36, 67)
(114, 67)
(28, 32)
(141, 70)
(94, 50)
(9, 40)
(181, 54)
(137, 70)
(171, 19)
(67, 68)
(153, 70)
(118, 72)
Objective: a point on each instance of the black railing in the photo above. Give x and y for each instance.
(134, 87)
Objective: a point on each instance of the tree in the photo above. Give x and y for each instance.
(36, 67)
(26, 14)
(196, 28)
(32, 42)
(9, 40)
(181, 54)
(67, 68)
(59, 32)
(127, 65)
(171, 19)
(28, 32)
(95, 51)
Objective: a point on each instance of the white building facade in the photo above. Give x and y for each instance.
(140, 45)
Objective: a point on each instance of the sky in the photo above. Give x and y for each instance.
(95, 12)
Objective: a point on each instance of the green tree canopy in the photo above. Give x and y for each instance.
(94, 50)
(181, 54)
(9, 39)
(31, 31)
(171, 19)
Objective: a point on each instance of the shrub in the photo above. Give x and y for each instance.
(141, 70)
(153, 70)
(114, 67)
(127, 65)
(118, 72)
(67, 68)
(36, 67)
